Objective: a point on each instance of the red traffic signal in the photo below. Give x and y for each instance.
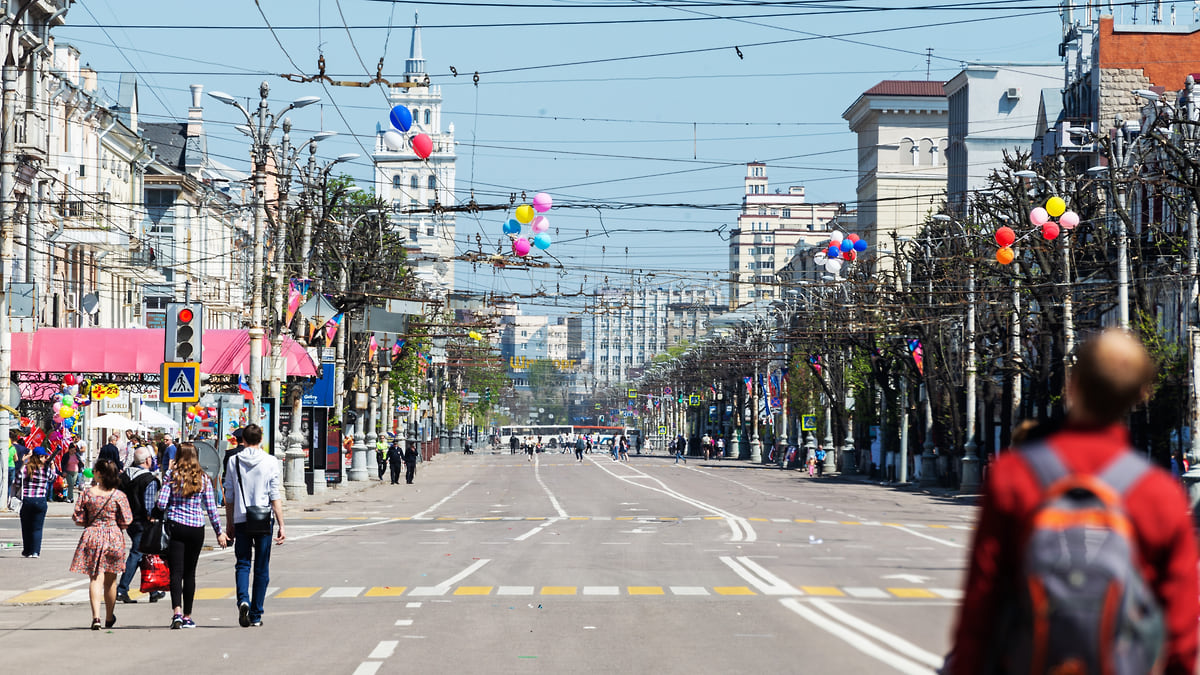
(185, 315)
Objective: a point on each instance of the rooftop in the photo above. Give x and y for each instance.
(906, 88)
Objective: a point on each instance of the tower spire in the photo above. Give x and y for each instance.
(415, 64)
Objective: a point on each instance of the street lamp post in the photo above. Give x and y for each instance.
(262, 126)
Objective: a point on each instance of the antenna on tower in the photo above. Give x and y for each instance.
(928, 60)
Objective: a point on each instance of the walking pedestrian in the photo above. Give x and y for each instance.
(623, 446)
(253, 485)
(706, 445)
(381, 457)
(111, 451)
(34, 481)
(410, 462)
(580, 446)
(720, 447)
(71, 465)
(395, 459)
(140, 486)
(1139, 543)
(104, 513)
(680, 449)
(185, 499)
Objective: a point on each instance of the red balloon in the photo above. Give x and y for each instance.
(70, 379)
(1005, 236)
(850, 255)
(852, 237)
(1050, 230)
(422, 144)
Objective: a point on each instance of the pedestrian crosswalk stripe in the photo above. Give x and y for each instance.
(948, 593)
(865, 592)
(733, 590)
(473, 590)
(385, 591)
(342, 592)
(601, 590)
(429, 590)
(214, 593)
(689, 590)
(80, 595)
(558, 590)
(34, 597)
(515, 590)
(831, 591)
(911, 593)
(299, 592)
(645, 590)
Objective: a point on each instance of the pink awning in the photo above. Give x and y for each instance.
(140, 350)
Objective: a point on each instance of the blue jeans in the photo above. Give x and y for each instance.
(134, 559)
(33, 517)
(258, 547)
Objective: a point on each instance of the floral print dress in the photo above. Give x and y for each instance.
(102, 544)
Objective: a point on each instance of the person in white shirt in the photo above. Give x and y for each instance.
(251, 484)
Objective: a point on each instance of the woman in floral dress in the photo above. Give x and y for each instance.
(103, 511)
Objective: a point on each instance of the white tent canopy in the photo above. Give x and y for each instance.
(153, 418)
(117, 422)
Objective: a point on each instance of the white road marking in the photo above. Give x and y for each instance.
(689, 590)
(428, 590)
(80, 595)
(413, 605)
(601, 590)
(343, 592)
(404, 622)
(768, 584)
(384, 649)
(515, 590)
(855, 640)
(864, 592)
(445, 499)
(894, 641)
(368, 668)
(553, 500)
(413, 637)
(57, 583)
(948, 593)
(944, 542)
(910, 578)
(616, 543)
(465, 573)
(534, 531)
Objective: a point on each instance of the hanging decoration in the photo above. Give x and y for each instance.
(1050, 220)
(529, 214)
(842, 248)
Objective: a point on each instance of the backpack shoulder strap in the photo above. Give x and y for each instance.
(1045, 463)
(1124, 472)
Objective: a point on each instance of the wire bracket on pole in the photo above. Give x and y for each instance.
(378, 79)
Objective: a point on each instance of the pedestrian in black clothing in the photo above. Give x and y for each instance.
(395, 458)
(410, 463)
(111, 451)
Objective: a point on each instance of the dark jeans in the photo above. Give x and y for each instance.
(395, 472)
(410, 472)
(134, 559)
(33, 517)
(183, 553)
(257, 549)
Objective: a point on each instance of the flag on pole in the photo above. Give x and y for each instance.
(372, 348)
(749, 385)
(294, 298)
(244, 387)
(918, 355)
(397, 348)
(814, 362)
(331, 329)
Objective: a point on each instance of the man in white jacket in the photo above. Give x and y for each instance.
(251, 484)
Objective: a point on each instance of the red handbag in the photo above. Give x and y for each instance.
(155, 574)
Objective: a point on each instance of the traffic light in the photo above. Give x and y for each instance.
(185, 327)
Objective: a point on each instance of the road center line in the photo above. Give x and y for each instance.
(765, 582)
(896, 642)
(855, 640)
(537, 473)
(944, 542)
(447, 498)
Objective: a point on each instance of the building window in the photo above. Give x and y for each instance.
(429, 231)
(428, 116)
(414, 182)
(787, 213)
(396, 182)
(762, 210)
(432, 182)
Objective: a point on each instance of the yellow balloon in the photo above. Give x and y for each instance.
(525, 214)
(474, 335)
(1055, 206)
(66, 412)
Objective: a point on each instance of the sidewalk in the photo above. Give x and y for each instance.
(941, 492)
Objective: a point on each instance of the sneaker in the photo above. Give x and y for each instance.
(177, 622)
(256, 623)
(157, 595)
(124, 597)
(188, 623)
(33, 555)
(244, 614)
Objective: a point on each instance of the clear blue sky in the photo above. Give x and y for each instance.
(669, 129)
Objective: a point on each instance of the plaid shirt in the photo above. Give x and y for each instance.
(189, 510)
(35, 484)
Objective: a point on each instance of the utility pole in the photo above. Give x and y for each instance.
(1192, 314)
(8, 170)
(971, 474)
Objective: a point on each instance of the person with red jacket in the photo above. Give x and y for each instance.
(1113, 373)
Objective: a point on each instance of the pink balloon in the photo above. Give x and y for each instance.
(422, 144)
(521, 246)
(1050, 231)
(540, 223)
(1038, 216)
(542, 202)
(1069, 220)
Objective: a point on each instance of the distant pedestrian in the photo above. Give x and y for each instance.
(252, 484)
(395, 459)
(720, 447)
(72, 463)
(111, 451)
(580, 446)
(33, 484)
(680, 449)
(623, 449)
(104, 513)
(410, 462)
(185, 499)
(140, 486)
(512, 444)
(381, 457)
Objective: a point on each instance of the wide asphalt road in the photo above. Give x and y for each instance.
(496, 564)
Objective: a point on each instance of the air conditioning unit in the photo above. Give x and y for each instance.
(1013, 93)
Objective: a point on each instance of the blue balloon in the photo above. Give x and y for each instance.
(401, 118)
(542, 241)
(833, 252)
(512, 226)
(847, 246)
(860, 246)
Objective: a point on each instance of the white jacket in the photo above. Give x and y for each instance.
(260, 472)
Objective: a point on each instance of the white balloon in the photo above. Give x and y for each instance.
(820, 258)
(837, 236)
(833, 265)
(393, 141)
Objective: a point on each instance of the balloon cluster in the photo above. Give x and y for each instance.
(196, 412)
(67, 403)
(530, 214)
(402, 119)
(841, 247)
(1052, 218)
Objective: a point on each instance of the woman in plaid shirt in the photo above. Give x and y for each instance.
(33, 484)
(186, 497)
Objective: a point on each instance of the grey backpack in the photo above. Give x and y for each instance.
(1084, 607)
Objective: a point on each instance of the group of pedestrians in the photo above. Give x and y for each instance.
(136, 502)
(398, 458)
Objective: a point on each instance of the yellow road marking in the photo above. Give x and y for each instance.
(558, 590)
(911, 593)
(623, 518)
(535, 519)
(298, 592)
(759, 520)
(733, 590)
(447, 518)
(893, 524)
(37, 596)
(473, 590)
(357, 518)
(580, 518)
(385, 591)
(645, 590)
(714, 517)
(823, 590)
(803, 520)
(214, 593)
(402, 518)
(940, 527)
(850, 522)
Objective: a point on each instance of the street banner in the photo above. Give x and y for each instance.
(918, 355)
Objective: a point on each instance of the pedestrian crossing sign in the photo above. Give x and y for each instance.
(180, 383)
(808, 422)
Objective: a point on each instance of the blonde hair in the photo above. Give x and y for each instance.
(187, 477)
